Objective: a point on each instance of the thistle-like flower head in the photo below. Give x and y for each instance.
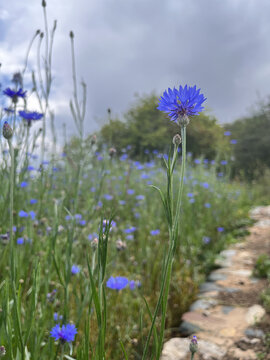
(181, 104)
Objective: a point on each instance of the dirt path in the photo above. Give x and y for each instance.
(224, 316)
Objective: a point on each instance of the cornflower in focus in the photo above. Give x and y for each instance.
(182, 103)
(66, 333)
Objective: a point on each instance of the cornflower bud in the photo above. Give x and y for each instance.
(193, 346)
(7, 131)
(2, 351)
(177, 140)
(112, 152)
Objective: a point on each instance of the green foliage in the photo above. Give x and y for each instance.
(147, 129)
(252, 151)
(262, 267)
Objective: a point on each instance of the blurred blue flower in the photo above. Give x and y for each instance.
(233, 141)
(117, 283)
(186, 101)
(220, 229)
(75, 269)
(224, 162)
(30, 116)
(57, 317)
(33, 201)
(92, 236)
(206, 239)
(24, 184)
(140, 197)
(23, 214)
(197, 161)
(82, 222)
(122, 202)
(93, 189)
(14, 94)
(190, 195)
(108, 197)
(66, 333)
(130, 191)
(205, 185)
(130, 230)
(32, 214)
(227, 133)
(130, 237)
(192, 201)
(207, 205)
(155, 232)
(145, 176)
(20, 240)
(134, 284)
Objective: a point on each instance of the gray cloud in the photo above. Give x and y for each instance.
(128, 46)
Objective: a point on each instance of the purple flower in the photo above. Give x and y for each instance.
(66, 333)
(190, 195)
(140, 197)
(197, 161)
(33, 201)
(220, 229)
(117, 283)
(134, 284)
(108, 197)
(233, 141)
(207, 205)
(180, 103)
(227, 133)
(224, 162)
(130, 191)
(130, 230)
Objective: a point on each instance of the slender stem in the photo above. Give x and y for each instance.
(11, 202)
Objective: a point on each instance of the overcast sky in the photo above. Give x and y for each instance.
(125, 47)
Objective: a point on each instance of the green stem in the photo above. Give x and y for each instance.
(11, 202)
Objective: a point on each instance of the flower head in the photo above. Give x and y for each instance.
(14, 94)
(30, 116)
(117, 283)
(66, 333)
(182, 103)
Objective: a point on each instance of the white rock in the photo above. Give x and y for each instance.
(254, 314)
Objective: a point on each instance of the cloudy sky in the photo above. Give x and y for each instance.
(125, 47)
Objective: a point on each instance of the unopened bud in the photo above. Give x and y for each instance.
(2, 351)
(183, 120)
(193, 346)
(93, 140)
(94, 243)
(42, 35)
(7, 131)
(177, 140)
(112, 152)
(71, 34)
(43, 3)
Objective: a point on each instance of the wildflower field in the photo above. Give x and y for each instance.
(102, 254)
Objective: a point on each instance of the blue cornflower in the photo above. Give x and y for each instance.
(140, 197)
(33, 201)
(227, 133)
(207, 205)
(32, 214)
(220, 229)
(190, 195)
(108, 197)
(122, 202)
(134, 284)
(206, 239)
(13, 94)
(155, 232)
(181, 103)
(233, 141)
(224, 162)
(75, 269)
(30, 116)
(20, 240)
(117, 283)
(130, 230)
(24, 184)
(23, 214)
(130, 191)
(66, 333)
